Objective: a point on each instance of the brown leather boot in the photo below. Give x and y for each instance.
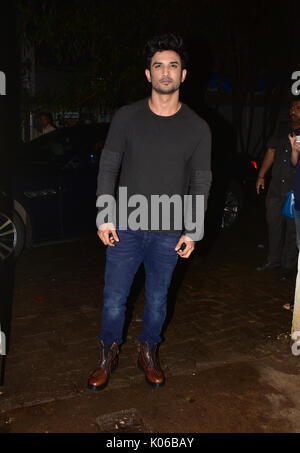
(108, 363)
(148, 362)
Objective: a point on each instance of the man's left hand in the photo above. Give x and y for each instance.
(190, 245)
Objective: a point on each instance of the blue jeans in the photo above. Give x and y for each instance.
(156, 251)
(297, 221)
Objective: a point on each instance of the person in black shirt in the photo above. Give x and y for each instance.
(283, 251)
(156, 147)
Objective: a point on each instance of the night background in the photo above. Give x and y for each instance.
(86, 56)
(226, 347)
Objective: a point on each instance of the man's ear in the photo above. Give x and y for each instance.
(183, 75)
(148, 75)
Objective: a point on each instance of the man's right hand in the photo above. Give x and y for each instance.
(260, 183)
(104, 234)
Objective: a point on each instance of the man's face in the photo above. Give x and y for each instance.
(44, 121)
(295, 112)
(165, 72)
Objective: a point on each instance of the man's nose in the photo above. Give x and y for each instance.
(165, 71)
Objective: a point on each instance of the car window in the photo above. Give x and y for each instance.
(53, 148)
(89, 153)
(97, 147)
(65, 145)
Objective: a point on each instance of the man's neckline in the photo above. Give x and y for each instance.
(163, 116)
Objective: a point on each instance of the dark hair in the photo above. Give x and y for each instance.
(294, 99)
(167, 41)
(47, 115)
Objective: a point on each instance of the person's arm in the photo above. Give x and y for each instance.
(200, 183)
(109, 167)
(295, 151)
(294, 156)
(267, 163)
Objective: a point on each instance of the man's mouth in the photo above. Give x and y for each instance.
(166, 81)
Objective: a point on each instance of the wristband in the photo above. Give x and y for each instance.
(262, 177)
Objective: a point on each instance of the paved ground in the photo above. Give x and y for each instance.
(226, 352)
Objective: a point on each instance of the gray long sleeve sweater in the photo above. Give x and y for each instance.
(157, 155)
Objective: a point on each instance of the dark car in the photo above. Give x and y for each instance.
(234, 174)
(8, 229)
(54, 186)
(54, 189)
(233, 186)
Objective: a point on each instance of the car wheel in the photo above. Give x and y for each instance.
(12, 235)
(233, 205)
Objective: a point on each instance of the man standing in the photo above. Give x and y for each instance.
(283, 249)
(155, 147)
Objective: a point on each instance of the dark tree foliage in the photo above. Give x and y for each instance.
(101, 43)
